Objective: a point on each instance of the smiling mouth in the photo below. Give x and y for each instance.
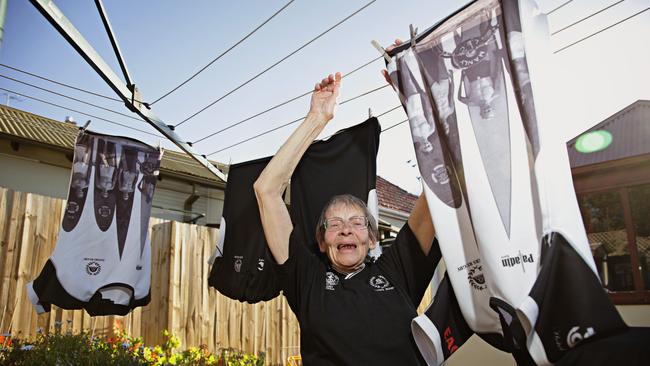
(346, 246)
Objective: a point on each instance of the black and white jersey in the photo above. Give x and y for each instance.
(242, 264)
(346, 163)
(102, 259)
(477, 92)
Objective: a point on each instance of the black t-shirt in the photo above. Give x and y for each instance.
(362, 320)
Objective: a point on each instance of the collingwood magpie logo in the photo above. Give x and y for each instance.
(380, 283)
(93, 268)
(331, 280)
(237, 263)
(72, 208)
(521, 259)
(260, 264)
(474, 274)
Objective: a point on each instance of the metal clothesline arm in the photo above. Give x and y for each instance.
(130, 97)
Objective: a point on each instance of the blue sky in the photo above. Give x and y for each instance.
(165, 42)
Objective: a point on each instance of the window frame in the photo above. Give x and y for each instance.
(619, 176)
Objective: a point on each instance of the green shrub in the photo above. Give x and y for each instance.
(122, 350)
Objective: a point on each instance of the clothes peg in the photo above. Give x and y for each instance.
(381, 50)
(369, 112)
(413, 31)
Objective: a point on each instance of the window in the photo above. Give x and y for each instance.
(618, 228)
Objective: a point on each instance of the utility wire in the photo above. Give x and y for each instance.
(61, 84)
(71, 98)
(85, 114)
(223, 53)
(558, 8)
(600, 31)
(277, 128)
(279, 105)
(274, 65)
(587, 17)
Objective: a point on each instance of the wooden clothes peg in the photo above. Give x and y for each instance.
(381, 50)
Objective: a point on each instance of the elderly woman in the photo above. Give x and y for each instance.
(351, 311)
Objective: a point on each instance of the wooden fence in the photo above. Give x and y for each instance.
(181, 300)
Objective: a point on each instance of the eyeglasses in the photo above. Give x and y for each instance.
(337, 223)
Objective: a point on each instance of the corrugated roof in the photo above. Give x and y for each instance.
(630, 129)
(394, 197)
(28, 126)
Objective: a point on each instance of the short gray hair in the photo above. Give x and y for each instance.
(348, 200)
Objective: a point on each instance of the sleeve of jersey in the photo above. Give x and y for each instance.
(297, 273)
(406, 259)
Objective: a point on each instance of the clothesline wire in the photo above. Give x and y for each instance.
(71, 98)
(559, 7)
(587, 17)
(223, 53)
(273, 65)
(277, 128)
(602, 30)
(278, 105)
(83, 113)
(395, 125)
(60, 83)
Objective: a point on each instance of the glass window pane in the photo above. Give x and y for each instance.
(640, 206)
(602, 214)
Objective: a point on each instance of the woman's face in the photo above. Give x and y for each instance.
(348, 244)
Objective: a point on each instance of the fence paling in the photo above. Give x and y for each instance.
(180, 298)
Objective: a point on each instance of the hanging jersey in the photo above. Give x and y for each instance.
(496, 175)
(346, 163)
(243, 267)
(242, 264)
(102, 259)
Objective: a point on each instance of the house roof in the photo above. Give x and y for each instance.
(15, 123)
(630, 130)
(394, 197)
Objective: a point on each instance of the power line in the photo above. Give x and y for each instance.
(85, 114)
(223, 53)
(274, 65)
(275, 129)
(60, 83)
(587, 17)
(559, 7)
(602, 30)
(280, 104)
(69, 97)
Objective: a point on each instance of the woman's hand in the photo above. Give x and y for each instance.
(384, 71)
(323, 100)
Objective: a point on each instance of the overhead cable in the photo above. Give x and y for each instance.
(222, 54)
(71, 98)
(60, 83)
(279, 105)
(274, 65)
(585, 18)
(602, 30)
(277, 128)
(84, 113)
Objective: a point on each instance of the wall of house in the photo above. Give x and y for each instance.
(36, 169)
